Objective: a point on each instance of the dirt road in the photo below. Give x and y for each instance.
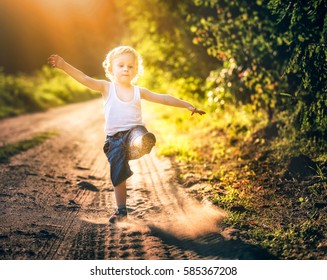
(55, 199)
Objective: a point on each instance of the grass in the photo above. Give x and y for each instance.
(9, 150)
(44, 89)
(225, 158)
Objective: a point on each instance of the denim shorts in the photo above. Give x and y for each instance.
(118, 149)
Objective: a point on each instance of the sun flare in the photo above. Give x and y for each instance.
(33, 29)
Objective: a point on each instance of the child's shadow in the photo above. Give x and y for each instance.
(213, 246)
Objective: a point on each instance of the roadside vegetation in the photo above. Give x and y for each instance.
(44, 89)
(272, 185)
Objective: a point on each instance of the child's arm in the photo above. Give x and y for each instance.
(169, 100)
(93, 84)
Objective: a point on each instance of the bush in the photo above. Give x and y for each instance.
(304, 25)
(265, 48)
(238, 35)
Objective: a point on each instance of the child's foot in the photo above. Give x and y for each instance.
(118, 216)
(148, 141)
(142, 145)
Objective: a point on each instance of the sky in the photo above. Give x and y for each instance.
(82, 31)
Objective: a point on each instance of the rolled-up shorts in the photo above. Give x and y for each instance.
(118, 149)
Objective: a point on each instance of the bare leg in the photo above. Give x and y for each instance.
(121, 194)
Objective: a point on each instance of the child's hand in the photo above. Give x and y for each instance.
(196, 111)
(56, 61)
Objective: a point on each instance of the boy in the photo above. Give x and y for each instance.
(127, 138)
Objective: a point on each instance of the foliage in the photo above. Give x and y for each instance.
(266, 48)
(302, 27)
(270, 54)
(159, 32)
(46, 88)
(238, 35)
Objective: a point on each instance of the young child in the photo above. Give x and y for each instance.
(126, 136)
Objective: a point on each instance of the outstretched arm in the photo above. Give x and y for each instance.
(169, 100)
(93, 84)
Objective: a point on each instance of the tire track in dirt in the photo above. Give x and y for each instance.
(56, 199)
(56, 179)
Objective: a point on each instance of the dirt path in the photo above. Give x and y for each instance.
(55, 199)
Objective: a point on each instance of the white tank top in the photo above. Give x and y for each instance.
(120, 115)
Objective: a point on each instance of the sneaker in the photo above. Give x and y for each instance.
(118, 216)
(142, 145)
(148, 141)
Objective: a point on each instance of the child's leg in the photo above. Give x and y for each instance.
(121, 194)
(116, 152)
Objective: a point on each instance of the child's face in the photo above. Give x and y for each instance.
(124, 68)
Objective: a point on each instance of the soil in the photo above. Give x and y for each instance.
(55, 200)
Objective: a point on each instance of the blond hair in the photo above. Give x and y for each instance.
(107, 63)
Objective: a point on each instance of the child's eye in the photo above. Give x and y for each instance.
(130, 67)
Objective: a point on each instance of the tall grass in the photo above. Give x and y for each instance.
(184, 136)
(42, 90)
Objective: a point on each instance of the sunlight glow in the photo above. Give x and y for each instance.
(35, 28)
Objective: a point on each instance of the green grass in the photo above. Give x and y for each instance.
(10, 150)
(222, 149)
(40, 91)
(184, 136)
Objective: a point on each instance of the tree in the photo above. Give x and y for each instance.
(159, 31)
(302, 28)
(266, 48)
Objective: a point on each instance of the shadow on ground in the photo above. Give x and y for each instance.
(214, 246)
